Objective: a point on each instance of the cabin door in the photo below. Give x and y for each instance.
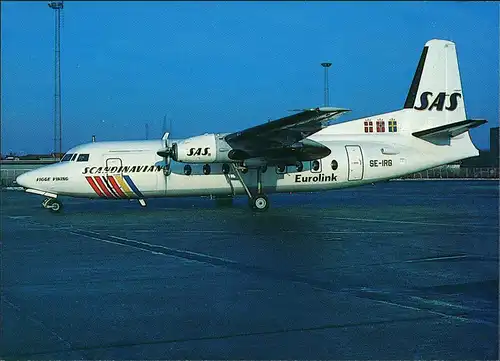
(355, 157)
(113, 165)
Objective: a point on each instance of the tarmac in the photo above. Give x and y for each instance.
(396, 270)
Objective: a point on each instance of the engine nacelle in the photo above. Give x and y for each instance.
(206, 148)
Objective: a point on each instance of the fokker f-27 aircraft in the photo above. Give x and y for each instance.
(292, 154)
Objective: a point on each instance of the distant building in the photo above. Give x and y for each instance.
(482, 160)
(494, 132)
(486, 158)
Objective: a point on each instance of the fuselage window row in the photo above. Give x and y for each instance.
(280, 169)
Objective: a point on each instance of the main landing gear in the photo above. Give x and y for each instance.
(258, 202)
(52, 204)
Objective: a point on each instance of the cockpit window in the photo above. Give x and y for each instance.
(67, 157)
(73, 157)
(83, 158)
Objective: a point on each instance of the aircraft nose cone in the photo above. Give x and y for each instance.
(23, 180)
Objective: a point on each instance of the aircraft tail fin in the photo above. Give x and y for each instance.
(434, 109)
(435, 97)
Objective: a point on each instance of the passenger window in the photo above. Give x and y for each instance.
(281, 168)
(299, 166)
(67, 157)
(315, 166)
(206, 169)
(335, 165)
(83, 158)
(187, 169)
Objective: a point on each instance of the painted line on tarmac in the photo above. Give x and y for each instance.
(234, 335)
(117, 243)
(430, 259)
(459, 318)
(66, 343)
(413, 222)
(253, 234)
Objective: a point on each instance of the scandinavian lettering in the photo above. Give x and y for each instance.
(123, 169)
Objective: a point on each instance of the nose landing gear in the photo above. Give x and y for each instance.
(52, 204)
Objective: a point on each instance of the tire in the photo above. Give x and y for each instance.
(55, 206)
(260, 203)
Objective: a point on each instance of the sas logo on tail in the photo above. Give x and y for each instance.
(438, 102)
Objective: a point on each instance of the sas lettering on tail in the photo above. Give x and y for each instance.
(439, 102)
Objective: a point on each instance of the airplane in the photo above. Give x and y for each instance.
(302, 152)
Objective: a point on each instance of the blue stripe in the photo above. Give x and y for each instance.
(132, 185)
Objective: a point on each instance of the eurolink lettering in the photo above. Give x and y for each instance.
(315, 179)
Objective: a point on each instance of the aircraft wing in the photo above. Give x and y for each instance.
(272, 139)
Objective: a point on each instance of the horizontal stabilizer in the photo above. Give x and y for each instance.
(448, 131)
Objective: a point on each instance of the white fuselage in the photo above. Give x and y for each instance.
(132, 169)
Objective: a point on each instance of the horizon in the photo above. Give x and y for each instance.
(224, 67)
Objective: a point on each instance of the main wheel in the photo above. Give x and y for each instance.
(260, 203)
(55, 206)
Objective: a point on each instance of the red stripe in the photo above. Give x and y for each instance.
(94, 186)
(116, 186)
(103, 187)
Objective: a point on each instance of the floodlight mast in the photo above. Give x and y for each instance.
(326, 66)
(57, 6)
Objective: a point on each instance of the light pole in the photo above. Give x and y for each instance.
(57, 6)
(326, 66)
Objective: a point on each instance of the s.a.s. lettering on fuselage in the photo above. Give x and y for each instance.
(439, 102)
(199, 151)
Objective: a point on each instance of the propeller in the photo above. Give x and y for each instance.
(169, 149)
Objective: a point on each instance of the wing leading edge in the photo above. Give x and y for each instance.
(271, 139)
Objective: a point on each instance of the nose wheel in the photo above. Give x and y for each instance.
(52, 204)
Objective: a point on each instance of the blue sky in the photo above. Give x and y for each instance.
(217, 67)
